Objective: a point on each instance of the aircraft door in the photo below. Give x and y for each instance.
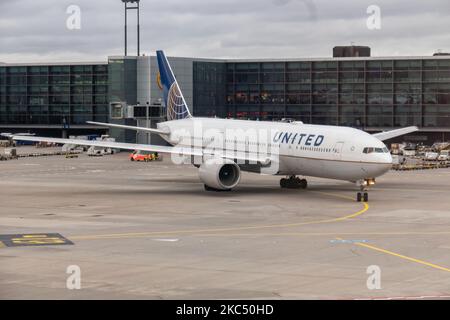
(337, 150)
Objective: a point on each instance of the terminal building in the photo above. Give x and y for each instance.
(349, 89)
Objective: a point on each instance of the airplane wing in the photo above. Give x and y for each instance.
(121, 126)
(187, 151)
(394, 133)
(114, 145)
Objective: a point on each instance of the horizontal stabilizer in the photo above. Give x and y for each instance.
(394, 133)
(113, 145)
(121, 126)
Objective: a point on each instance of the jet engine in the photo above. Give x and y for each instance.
(219, 174)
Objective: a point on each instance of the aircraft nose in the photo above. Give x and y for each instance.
(385, 164)
(389, 158)
(382, 164)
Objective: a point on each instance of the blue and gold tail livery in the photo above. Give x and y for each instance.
(176, 107)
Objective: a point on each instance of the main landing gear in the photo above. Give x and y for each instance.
(363, 185)
(293, 182)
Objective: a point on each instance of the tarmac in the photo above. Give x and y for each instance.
(150, 231)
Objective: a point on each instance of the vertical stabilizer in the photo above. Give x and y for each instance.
(176, 106)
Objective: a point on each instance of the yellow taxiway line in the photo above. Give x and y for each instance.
(324, 234)
(398, 255)
(260, 227)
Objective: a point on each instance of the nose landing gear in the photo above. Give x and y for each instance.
(363, 194)
(293, 182)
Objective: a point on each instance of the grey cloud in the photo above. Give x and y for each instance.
(36, 30)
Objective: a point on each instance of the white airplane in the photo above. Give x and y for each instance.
(222, 148)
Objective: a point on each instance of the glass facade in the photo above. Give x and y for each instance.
(122, 88)
(367, 93)
(53, 94)
(361, 93)
(122, 80)
(209, 89)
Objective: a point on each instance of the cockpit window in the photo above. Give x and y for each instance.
(368, 150)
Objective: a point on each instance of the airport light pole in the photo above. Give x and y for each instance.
(129, 5)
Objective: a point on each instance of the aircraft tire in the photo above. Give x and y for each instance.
(303, 183)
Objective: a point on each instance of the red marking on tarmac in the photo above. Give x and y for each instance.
(407, 297)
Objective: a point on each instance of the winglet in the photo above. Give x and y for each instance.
(395, 133)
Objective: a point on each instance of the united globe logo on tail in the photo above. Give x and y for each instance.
(176, 106)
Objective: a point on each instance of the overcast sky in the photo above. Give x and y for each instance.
(34, 31)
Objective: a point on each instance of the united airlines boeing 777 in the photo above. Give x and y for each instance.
(222, 148)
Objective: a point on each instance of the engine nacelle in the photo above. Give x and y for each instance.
(220, 174)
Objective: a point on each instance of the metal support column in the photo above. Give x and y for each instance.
(136, 7)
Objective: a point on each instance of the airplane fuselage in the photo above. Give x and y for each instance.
(332, 152)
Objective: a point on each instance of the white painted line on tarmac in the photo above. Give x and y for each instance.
(167, 240)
